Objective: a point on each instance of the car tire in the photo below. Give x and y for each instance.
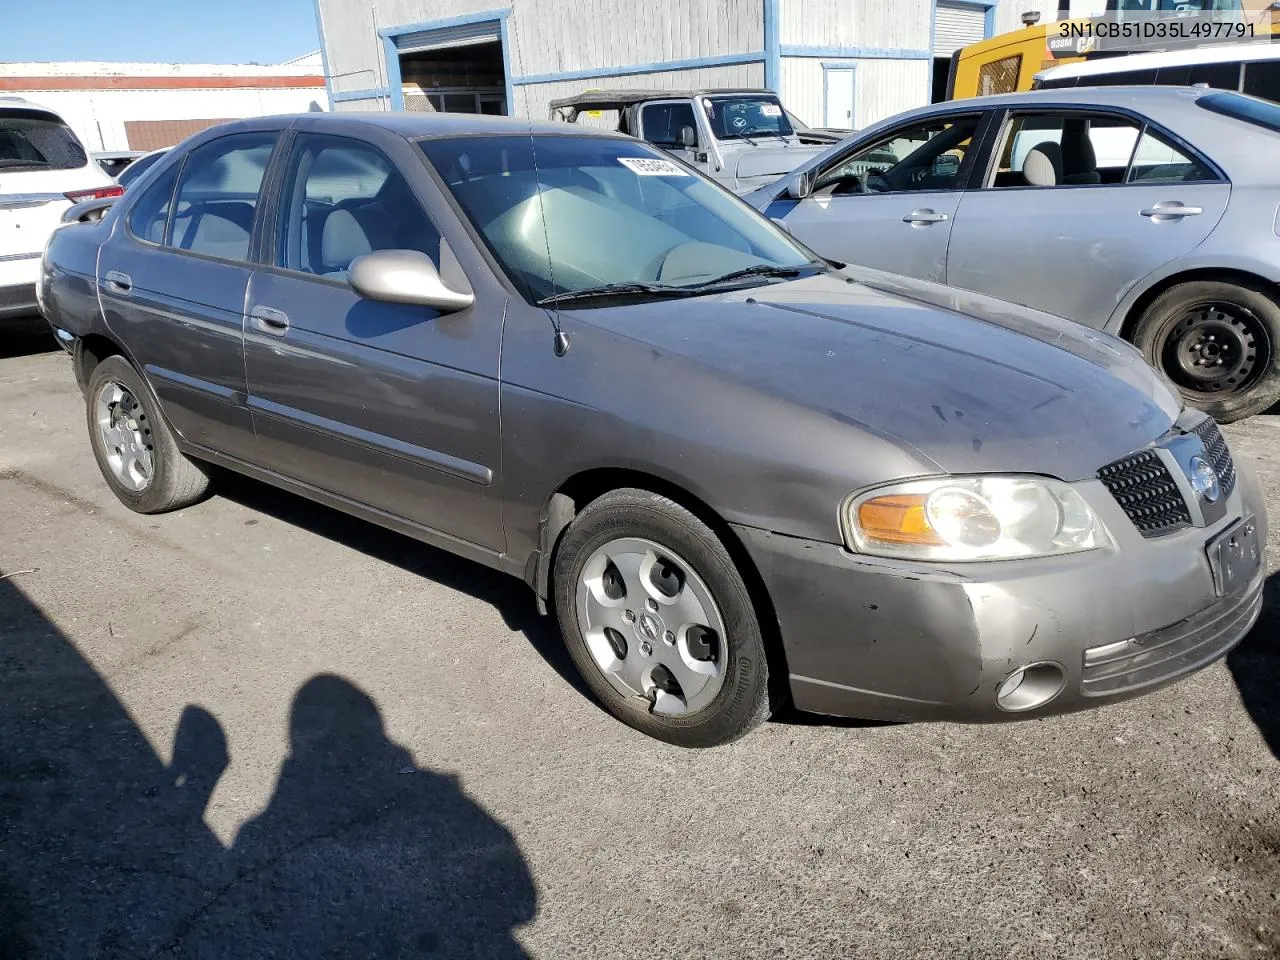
(1218, 342)
(133, 444)
(691, 578)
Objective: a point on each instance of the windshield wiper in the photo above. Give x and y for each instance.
(19, 162)
(759, 270)
(609, 290)
(739, 136)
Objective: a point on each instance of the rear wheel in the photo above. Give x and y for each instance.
(659, 622)
(133, 445)
(1217, 342)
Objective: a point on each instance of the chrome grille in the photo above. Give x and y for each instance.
(1147, 493)
(1219, 457)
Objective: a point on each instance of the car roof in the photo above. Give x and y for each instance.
(414, 125)
(615, 99)
(25, 105)
(1140, 97)
(1211, 53)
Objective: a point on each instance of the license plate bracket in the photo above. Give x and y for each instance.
(1234, 556)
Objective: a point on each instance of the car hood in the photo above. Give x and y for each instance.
(750, 163)
(962, 383)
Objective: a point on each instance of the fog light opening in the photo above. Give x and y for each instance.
(1030, 687)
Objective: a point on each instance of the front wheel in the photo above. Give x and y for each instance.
(1217, 342)
(659, 622)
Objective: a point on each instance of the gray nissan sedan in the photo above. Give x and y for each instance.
(739, 473)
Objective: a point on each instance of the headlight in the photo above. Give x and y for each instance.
(972, 518)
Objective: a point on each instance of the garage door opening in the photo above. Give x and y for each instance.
(956, 24)
(453, 69)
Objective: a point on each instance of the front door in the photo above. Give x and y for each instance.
(1078, 208)
(390, 406)
(672, 126)
(889, 204)
(172, 279)
(837, 95)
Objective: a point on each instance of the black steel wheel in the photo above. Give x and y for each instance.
(1217, 342)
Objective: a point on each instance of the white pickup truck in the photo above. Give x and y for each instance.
(741, 138)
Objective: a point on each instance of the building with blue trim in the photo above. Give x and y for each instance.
(839, 63)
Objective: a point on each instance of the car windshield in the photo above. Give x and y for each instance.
(34, 140)
(746, 116)
(575, 216)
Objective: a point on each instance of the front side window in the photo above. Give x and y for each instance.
(218, 195)
(746, 116)
(35, 140)
(926, 156)
(342, 199)
(1056, 150)
(571, 216)
(662, 123)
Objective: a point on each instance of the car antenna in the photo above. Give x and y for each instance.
(560, 339)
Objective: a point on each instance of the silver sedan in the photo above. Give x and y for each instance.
(1148, 212)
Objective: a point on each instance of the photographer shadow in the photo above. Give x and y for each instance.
(104, 851)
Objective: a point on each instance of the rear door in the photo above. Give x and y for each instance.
(889, 204)
(1077, 207)
(391, 406)
(173, 278)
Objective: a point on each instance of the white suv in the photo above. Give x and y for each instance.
(44, 169)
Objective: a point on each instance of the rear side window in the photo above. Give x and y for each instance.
(150, 214)
(1261, 113)
(218, 195)
(1262, 79)
(34, 140)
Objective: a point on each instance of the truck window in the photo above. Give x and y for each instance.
(662, 122)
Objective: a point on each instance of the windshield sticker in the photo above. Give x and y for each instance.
(653, 167)
(770, 110)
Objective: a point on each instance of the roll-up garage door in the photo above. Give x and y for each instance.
(957, 25)
(486, 31)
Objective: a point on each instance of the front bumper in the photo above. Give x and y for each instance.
(891, 640)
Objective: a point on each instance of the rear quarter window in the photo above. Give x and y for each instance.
(34, 140)
(1261, 113)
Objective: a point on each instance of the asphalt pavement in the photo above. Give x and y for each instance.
(257, 728)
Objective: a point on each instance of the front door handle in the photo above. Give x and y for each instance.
(118, 282)
(269, 320)
(924, 216)
(1170, 210)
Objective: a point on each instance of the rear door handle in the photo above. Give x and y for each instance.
(118, 282)
(1170, 210)
(269, 320)
(924, 216)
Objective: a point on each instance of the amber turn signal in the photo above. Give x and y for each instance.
(897, 518)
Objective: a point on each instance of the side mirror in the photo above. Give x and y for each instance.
(404, 276)
(946, 165)
(689, 138)
(799, 185)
